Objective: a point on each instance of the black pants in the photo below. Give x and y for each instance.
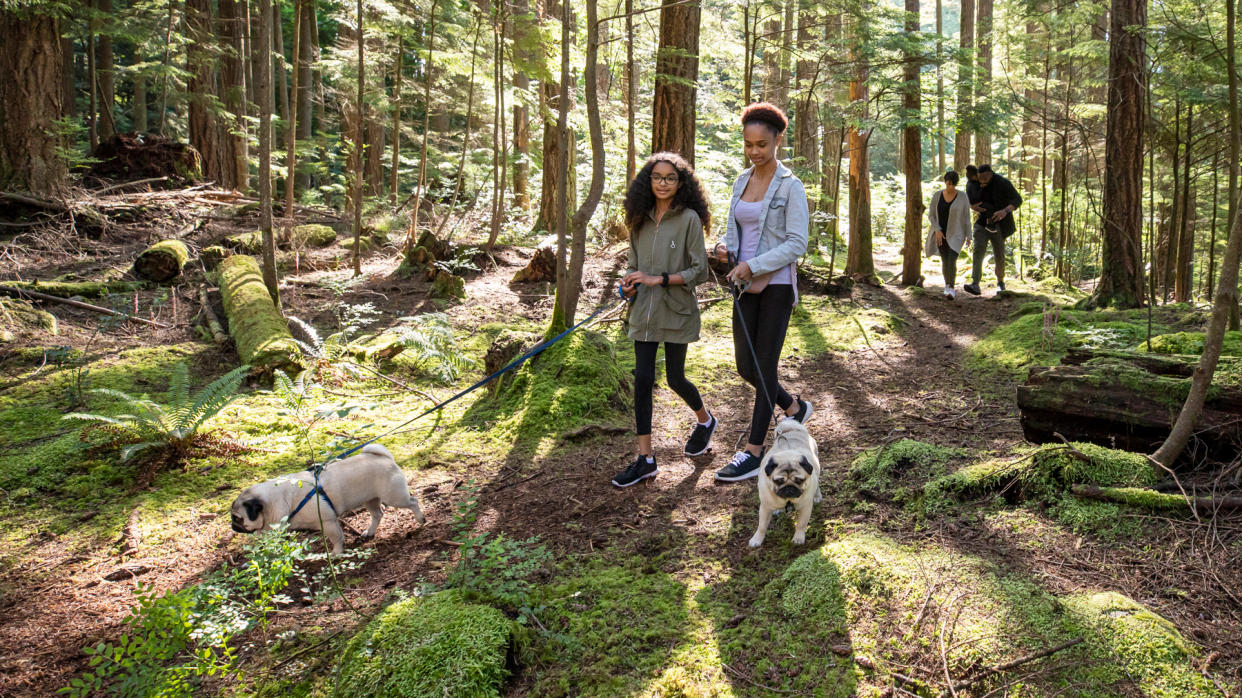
(767, 318)
(982, 238)
(644, 380)
(948, 264)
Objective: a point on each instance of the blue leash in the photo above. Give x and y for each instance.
(317, 489)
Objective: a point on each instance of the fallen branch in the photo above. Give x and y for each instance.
(20, 293)
(1151, 499)
(122, 185)
(966, 683)
(213, 322)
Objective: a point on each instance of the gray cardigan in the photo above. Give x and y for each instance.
(958, 231)
(785, 223)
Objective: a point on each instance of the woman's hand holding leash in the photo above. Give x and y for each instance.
(740, 274)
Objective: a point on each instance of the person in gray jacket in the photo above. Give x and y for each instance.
(949, 215)
(666, 211)
(765, 235)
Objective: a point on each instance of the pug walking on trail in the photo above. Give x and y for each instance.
(789, 476)
(666, 212)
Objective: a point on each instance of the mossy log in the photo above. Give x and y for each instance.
(1128, 400)
(1144, 498)
(162, 261)
(310, 235)
(212, 256)
(81, 289)
(246, 243)
(260, 333)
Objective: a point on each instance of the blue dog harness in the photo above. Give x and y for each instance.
(316, 490)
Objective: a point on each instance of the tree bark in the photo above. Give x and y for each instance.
(360, 124)
(1226, 300)
(677, 70)
(428, 66)
(291, 127)
(105, 73)
(522, 23)
(859, 263)
(1185, 229)
(1121, 277)
(941, 162)
(631, 147)
(394, 181)
(31, 97)
(983, 30)
(235, 169)
(263, 95)
(965, 84)
(68, 105)
(559, 318)
(307, 81)
(282, 75)
(912, 153)
(138, 107)
(204, 130)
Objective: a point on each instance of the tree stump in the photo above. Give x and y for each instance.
(162, 261)
(1129, 400)
(542, 267)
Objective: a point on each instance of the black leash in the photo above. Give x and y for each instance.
(736, 292)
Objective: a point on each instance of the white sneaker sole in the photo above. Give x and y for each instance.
(739, 478)
(640, 479)
(708, 446)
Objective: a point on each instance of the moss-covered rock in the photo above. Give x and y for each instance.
(20, 314)
(212, 256)
(447, 285)
(1042, 474)
(162, 261)
(1191, 343)
(895, 470)
(1136, 641)
(433, 646)
(245, 243)
(260, 333)
(313, 235)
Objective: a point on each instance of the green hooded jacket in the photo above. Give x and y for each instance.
(673, 246)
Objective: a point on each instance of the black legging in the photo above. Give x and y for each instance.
(644, 380)
(948, 264)
(767, 317)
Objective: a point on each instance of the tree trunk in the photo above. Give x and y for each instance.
(806, 123)
(965, 77)
(306, 81)
(92, 82)
(68, 105)
(421, 189)
(360, 118)
(1185, 224)
(548, 217)
(291, 127)
(282, 75)
(583, 216)
(394, 181)
(677, 70)
(1030, 128)
(1210, 285)
(1226, 300)
(105, 72)
(263, 95)
(31, 97)
(522, 24)
(912, 152)
(1124, 400)
(941, 162)
(559, 318)
(204, 130)
(983, 31)
(631, 147)
(235, 170)
(138, 107)
(500, 143)
(859, 263)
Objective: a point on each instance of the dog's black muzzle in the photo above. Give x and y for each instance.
(239, 525)
(789, 492)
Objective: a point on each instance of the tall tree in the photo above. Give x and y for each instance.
(263, 97)
(31, 97)
(359, 144)
(105, 73)
(631, 147)
(549, 215)
(860, 262)
(965, 82)
(559, 316)
(912, 153)
(204, 131)
(421, 188)
(940, 149)
(521, 22)
(983, 28)
(291, 134)
(395, 168)
(677, 73)
(1121, 277)
(1226, 300)
(235, 162)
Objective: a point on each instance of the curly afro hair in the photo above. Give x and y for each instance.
(640, 200)
(767, 114)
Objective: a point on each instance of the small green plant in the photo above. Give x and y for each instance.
(428, 340)
(175, 639)
(172, 428)
(461, 262)
(493, 569)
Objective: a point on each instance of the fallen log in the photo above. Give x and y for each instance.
(81, 289)
(1128, 400)
(23, 293)
(213, 322)
(257, 327)
(162, 261)
(1144, 498)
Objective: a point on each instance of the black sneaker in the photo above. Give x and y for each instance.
(742, 466)
(701, 437)
(1000, 285)
(638, 471)
(804, 411)
(972, 289)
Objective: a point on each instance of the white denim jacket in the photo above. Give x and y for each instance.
(785, 222)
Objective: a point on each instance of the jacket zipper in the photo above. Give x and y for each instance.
(651, 304)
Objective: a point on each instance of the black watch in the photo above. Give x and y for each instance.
(664, 280)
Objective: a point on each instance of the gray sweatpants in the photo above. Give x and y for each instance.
(982, 238)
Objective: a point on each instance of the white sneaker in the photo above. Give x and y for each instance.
(950, 293)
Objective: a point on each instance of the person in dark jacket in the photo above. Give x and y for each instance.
(998, 199)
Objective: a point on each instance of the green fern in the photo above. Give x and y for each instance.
(429, 340)
(173, 427)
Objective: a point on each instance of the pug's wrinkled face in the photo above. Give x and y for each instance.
(247, 513)
(789, 475)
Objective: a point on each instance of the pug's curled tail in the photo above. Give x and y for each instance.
(379, 451)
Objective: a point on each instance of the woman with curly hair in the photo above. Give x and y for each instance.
(666, 212)
(765, 235)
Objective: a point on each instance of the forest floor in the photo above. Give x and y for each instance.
(650, 590)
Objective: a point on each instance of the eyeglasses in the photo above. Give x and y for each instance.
(671, 179)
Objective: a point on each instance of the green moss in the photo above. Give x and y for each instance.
(212, 256)
(895, 470)
(18, 313)
(1136, 641)
(447, 285)
(245, 243)
(434, 646)
(82, 289)
(260, 333)
(313, 235)
(1146, 498)
(1191, 343)
(1042, 474)
(1102, 519)
(617, 624)
(162, 261)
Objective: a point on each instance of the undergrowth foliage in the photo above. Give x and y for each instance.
(493, 569)
(173, 428)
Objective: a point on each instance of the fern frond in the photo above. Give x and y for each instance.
(128, 451)
(214, 397)
(114, 394)
(87, 417)
(315, 345)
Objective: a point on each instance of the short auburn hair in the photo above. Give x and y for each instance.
(767, 114)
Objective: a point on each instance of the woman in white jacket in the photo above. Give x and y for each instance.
(949, 215)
